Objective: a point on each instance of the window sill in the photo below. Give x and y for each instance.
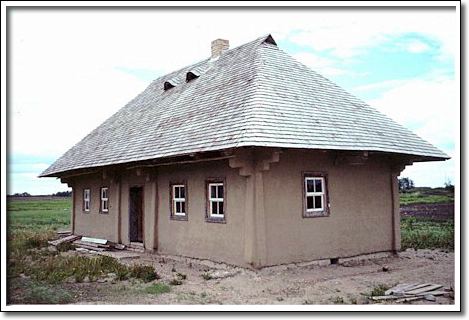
(178, 218)
(215, 220)
(315, 214)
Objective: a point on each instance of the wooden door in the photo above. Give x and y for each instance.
(136, 214)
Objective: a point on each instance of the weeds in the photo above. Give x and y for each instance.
(146, 273)
(379, 290)
(181, 276)
(206, 276)
(175, 282)
(337, 300)
(423, 233)
(157, 288)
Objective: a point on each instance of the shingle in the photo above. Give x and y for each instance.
(252, 95)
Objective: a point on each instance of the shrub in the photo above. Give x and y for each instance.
(146, 273)
(175, 282)
(379, 290)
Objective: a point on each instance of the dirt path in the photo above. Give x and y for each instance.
(347, 282)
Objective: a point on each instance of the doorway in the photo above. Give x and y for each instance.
(136, 214)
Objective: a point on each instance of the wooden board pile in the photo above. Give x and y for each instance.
(413, 291)
(88, 244)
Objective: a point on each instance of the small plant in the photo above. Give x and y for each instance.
(337, 300)
(379, 290)
(157, 288)
(146, 273)
(206, 276)
(352, 299)
(181, 276)
(65, 246)
(175, 282)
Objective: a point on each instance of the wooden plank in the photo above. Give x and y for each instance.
(66, 239)
(64, 232)
(435, 293)
(89, 247)
(391, 297)
(91, 244)
(409, 299)
(425, 289)
(399, 287)
(94, 240)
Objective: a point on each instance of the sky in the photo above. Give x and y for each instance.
(71, 69)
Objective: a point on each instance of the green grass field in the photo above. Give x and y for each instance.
(426, 196)
(39, 213)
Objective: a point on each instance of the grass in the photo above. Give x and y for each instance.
(425, 233)
(157, 288)
(39, 272)
(425, 197)
(39, 214)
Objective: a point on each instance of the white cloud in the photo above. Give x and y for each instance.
(416, 46)
(348, 34)
(425, 106)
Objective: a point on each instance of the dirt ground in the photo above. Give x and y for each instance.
(349, 282)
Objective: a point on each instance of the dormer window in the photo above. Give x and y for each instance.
(168, 85)
(190, 76)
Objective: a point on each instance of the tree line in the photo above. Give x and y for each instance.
(58, 194)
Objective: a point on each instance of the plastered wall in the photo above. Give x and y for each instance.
(196, 237)
(360, 209)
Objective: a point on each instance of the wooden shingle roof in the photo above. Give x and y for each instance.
(251, 95)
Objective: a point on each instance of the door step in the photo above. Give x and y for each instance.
(136, 246)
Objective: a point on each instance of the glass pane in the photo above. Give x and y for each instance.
(214, 208)
(183, 192)
(309, 204)
(105, 205)
(220, 207)
(178, 207)
(176, 192)
(318, 202)
(318, 185)
(220, 192)
(183, 207)
(213, 192)
(309, 185)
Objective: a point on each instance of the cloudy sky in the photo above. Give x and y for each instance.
(72, 69)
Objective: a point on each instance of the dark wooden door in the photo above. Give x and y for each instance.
(136, 214)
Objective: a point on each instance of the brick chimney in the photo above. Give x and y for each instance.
(219, 46)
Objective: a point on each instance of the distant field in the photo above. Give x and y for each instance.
(39, 213)
(426, 196)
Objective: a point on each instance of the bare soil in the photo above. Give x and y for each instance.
(435, 211)
(349, 282)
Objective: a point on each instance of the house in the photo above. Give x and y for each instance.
(248, 158)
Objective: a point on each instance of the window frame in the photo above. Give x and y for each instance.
(314, 212)
(86, 200)
(172, 201)
(104, 200)
(209, 216)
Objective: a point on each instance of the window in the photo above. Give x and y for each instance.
(178, 201)
(315, 200)
(104, 200)
(216, 201)
(86, 200)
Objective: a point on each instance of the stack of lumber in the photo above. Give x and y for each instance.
(412, 291)
(88, 243)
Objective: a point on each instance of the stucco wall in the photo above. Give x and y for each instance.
(360, 209)
(195, 237)
(93, 223)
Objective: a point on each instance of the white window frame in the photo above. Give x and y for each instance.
(104, 200)
(216, 199)
(324, 209)
(178, 199)
(86, 199)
